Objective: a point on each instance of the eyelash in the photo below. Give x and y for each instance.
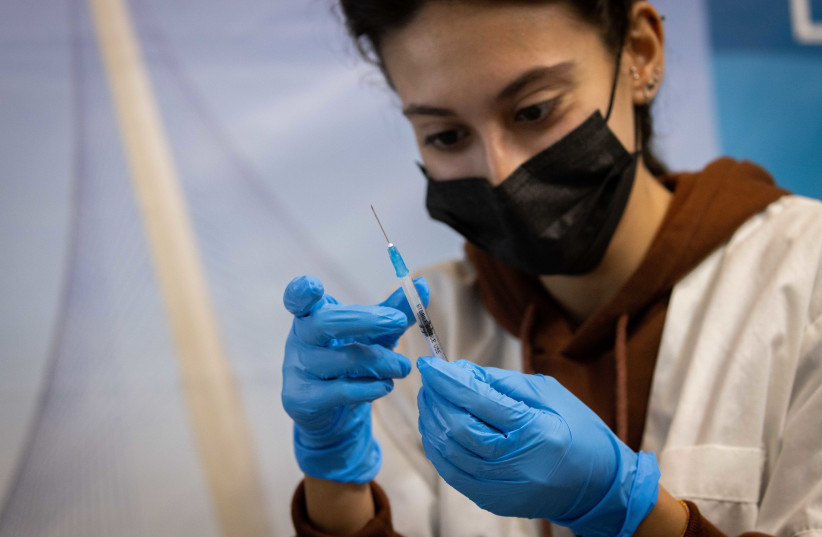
(437, 137)
(545, 107)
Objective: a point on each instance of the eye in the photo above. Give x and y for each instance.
(446, 140)
(536, 112)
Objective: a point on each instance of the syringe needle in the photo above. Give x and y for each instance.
(413, 296)
(380, 224)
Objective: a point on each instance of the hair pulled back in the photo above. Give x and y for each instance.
(369, 21)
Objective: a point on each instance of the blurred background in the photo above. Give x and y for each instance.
(269, 139)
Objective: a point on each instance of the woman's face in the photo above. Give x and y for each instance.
(487, 86)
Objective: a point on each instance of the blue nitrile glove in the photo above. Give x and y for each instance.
(523, 445)
(337, 360)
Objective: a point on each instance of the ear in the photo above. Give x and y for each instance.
(645, 53)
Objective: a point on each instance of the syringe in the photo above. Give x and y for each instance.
(413, 296)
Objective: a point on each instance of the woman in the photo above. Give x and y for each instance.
(677, 318)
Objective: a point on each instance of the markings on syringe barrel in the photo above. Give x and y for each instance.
(427, 328)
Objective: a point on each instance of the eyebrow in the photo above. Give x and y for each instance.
(560, 72)
(555, 73)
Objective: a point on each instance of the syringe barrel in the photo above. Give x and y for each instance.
(423, 321)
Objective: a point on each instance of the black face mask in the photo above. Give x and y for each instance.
(555, 214)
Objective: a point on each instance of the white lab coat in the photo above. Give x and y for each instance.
(735, 411)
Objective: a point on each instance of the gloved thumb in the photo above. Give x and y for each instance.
(301, 294)
(536, 391)
(464, 385)
(398, 301)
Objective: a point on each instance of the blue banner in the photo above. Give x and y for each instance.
(768, 75)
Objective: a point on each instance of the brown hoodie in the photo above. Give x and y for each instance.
(608, 361)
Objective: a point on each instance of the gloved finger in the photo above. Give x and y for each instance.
(450, 473)
(473, 487)
(455, 424)
(302, 294)
(327, 394)
(465, 388)
(491, 469)
(362, 323)
(481, 491)
(429, 413)
(353, 360)
(398, 301)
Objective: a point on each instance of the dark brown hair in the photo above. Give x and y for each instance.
(368, 21)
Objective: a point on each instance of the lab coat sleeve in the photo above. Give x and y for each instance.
(792, 501)
(791, 505)
(750, 336)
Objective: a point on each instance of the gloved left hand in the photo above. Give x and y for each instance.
(522, 445)
(339, 358)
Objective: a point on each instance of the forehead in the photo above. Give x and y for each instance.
(451, 47)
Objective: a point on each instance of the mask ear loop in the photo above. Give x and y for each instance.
(614, 83)
(637, 134)
(637, 137)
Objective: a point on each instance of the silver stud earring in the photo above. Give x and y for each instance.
(650, 86)
(634, 72)
(654, 79)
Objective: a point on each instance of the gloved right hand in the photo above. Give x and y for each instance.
(338, 359)
(523, 445)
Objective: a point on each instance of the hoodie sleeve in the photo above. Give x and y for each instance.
(701, 527)
(379, 526)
